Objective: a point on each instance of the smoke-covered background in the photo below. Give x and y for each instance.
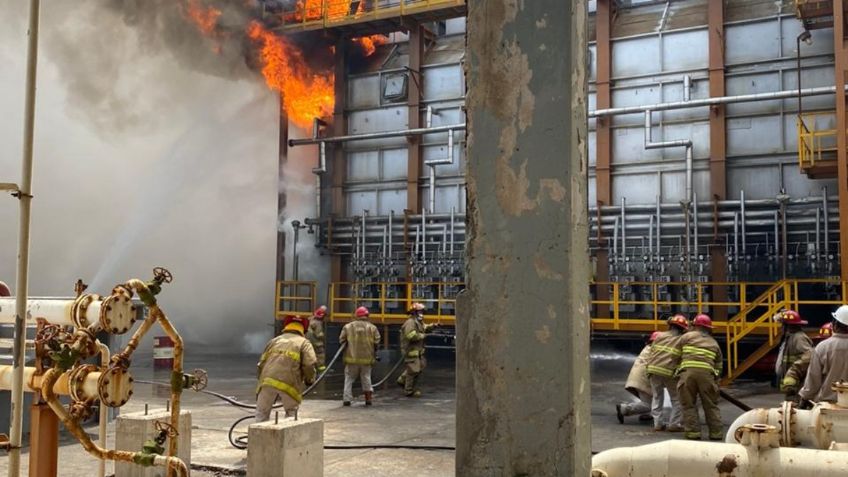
(153, 146)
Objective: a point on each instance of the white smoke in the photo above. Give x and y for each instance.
(142, 161)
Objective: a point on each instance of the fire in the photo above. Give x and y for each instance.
(369, 44)
(336, 9)
(306, 95)
(205, 18)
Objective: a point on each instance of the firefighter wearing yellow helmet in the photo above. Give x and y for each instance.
(413, 333)
(286, 367)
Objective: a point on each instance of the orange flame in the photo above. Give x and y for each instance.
(369, 44)
(206, 19)
(306, 95)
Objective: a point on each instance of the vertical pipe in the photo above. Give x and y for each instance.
(647, 127)
(784, 247)
(452, 234)
(687, 87)
(22, 281)
(659, 231)
(736, 239)
(826, 218)
(818, 232)
(623, 231)
(104, 410)
(742, 223)
(385, 241)
(444, 238)
(364, 234)
(432, 187)
(615, 240)
(295, 267)
(776, 235)
(695, 224)
(689, 167)
(318, 197)
(423, 233)
(650, 241)
(391, 232)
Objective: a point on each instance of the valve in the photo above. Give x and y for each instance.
(161, 275)
(196, 381)
(156, 446)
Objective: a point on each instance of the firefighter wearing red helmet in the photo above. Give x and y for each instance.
(362, 338)
(638, 385)
(412, 335)
(315, 335)
(797, 373)
(701, 364)
(661, 365)
(793, 346)
(286, 367)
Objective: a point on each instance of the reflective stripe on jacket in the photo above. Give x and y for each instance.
(665, 354)
(361, 337)
(412, 338)
(315, 335)
(287, 365)
(700, 351)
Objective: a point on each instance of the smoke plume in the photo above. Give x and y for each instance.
(155, 145)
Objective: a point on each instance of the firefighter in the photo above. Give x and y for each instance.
(286, 367)
(412, 335)
(638, 385)
(700, 367)
(316, 335)
(794, 377)
(662, 364)
(362, 338)
(829, 363)
(793, 346)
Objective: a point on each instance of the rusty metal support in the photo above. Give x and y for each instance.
(523, 385)
(603, 134)
(338, 172)
(413, 173)
(718, 146)
(43, 441)
(840, 50)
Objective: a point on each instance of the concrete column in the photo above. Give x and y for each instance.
(523, 328)
(287, 449)
(132, 430)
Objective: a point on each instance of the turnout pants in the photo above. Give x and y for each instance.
(659, 384)
(642, 406)
(265, 401)
(694, 384)
(411, 372)
(353, 371)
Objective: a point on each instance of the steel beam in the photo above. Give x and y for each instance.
(44, 441)
(338, 169)
(718, 144)
(840, 50)
(603, 142)
(416, 57)
(282, 199)
(522, 323)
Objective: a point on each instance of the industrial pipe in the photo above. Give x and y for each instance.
(816, 428)
(623, 232)
(826, 223)
(24, 195)
(742, 222)
(439, 162)
(114, 313)
(103, 416)
(756, 456)
(379, 135)
(714, 101)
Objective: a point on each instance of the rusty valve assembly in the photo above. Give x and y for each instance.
(66, 337)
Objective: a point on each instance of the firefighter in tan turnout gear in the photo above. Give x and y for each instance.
(700, 367)
(316, 335)
(662, 364)
(286, 367)
(638, 385)
(412, 335)
(794, 345)
(362, 338)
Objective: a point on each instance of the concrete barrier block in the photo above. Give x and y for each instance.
(131, 430)
(287, 449)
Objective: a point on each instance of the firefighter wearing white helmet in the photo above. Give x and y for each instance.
(412, 335)
(829, 363)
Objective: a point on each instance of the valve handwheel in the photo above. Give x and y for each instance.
(167, 429)
(47, 333)
(200, 380)
(163, 275)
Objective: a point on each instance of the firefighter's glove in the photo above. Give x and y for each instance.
(788, 384)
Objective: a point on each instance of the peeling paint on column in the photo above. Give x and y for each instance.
(522, 326)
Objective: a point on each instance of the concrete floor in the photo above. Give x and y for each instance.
(393, 420)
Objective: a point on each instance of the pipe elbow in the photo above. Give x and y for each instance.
(754, 416)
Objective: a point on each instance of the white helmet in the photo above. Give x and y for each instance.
(841, 315)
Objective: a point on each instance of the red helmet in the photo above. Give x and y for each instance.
(703, 320)
(790, 317)
(826, 331)
(362, 312)
(301, 320)
(679, 321)
(5, 290)
(654, 336)
(320, 312)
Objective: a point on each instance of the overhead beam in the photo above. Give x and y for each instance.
(338, 167)
(416, 55)
(718, 145)
(603, 143)
(523, 384)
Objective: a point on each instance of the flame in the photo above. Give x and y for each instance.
(336, 9)
(306, 95)
(369, 44)
(206, 19)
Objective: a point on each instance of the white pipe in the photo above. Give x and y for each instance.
(659, 231)
(104, 410)
(439, 162)
(826, 226)
(742, 222)
(815, 428)
(452, 225)
(391, 232)
(55, 311)
(623, 231)
(678, 458)
(22, 284)
(695, 222)
(423, 233)
(615, 240)
(687, 143)
(651, 239)
(687, 87)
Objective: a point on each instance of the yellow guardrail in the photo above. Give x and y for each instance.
(390, 301)
(296, 298)
(814, 141)
(314, 14)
